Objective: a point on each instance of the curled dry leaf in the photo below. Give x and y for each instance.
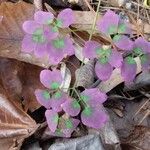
(85, 75)
(89, 142)
(19, 81)
(11, 33)
(66, 75)
(139, 139)
(15, 124)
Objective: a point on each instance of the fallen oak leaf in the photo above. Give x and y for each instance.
(19, 81)
(15, 124)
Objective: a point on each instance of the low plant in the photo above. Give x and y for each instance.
(44, 37)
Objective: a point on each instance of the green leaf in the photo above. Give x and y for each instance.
(87, 111)
(54, 85)
(103, 60)
(59, 43)
(138, 51)
(112, 30)
(143, 59)
(69, 124)
(57, 95)
(46, 95)
(75, 104)
(116, 38)
(58, 23)
(121, 28)
(130, 60)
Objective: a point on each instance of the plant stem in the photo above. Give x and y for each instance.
(95, 19)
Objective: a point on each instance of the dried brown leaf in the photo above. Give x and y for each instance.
(20, 81)
(11, 33)
(15, 124)
(139, 139)
(85, 75)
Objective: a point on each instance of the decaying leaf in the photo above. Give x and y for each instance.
(11, 33)
(15, 124)
(72, 64)
(85, 75)
(66, 74)
(131, 117)
(19, 81)
(89, 142)
(139, 139)
(116, 2)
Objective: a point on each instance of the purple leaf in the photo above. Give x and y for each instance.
(93, 97)
(141, 46)
(31, 26)
(42, 17)
(128, 69)
(52, 119)
(67, 129)
(51, 79)
(50, 33)
(124, 27)
(27, 44)
(71, 125)
(59, 48)
(43, 97)
(103, 70)
(65, 18)
(89, 50)
(123, 42)
(115, 59)
(108, 24)
(40, 50)
(93, 117)
(71, 107)
(58, 98)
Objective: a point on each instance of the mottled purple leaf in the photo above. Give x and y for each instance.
(58, 98)
(115, 58)
(52, 119)
(27, 44)
(93, 97)
(42, 17)
(109, 23)
(128, 69)
(93, 117)
(141, 46)
(31, 26)
(51, 79)
(71, 107)
(43, 97)
(124, 27)
(123, 42)
(90, 47)
(67, 129)
(59, 48)
(65, 18)
(103, 70)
